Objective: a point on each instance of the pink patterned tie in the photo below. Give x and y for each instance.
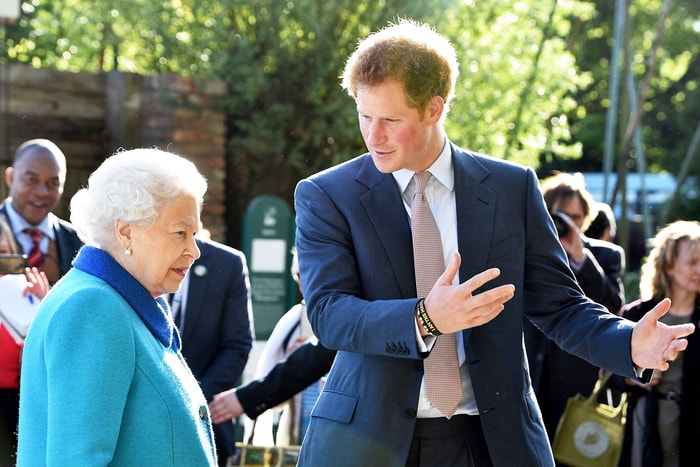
(36, 256)
(442, 376)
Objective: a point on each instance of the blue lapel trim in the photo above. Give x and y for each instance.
(153, 312)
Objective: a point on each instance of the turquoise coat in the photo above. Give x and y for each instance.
(99, 384)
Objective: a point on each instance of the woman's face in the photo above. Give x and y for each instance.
(685, 273)
(162, 254)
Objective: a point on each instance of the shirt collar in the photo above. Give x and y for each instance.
(19, 223)
(441, 170)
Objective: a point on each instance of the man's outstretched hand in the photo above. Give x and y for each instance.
(654, 344)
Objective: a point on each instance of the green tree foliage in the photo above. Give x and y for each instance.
(533, 85)
(288, 115)
(145, 37)
(517, 77)
(672, 107)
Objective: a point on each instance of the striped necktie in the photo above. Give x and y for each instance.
(36, 256)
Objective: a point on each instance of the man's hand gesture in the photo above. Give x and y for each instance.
(654, 344)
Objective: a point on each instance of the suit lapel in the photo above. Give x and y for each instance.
(476, 205)
(388, 216)
(475, 202)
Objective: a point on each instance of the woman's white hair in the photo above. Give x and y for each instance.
(133, 186)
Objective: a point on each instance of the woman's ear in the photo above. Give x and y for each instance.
(123, 231)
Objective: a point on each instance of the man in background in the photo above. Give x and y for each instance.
(35, 182)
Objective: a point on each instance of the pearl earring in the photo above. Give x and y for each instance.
(127, 252)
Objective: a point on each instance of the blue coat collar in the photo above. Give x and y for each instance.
(155, 313)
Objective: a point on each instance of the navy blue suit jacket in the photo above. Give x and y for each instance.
(557, 375)
(217, 334)
(356, 262)
(304, 366)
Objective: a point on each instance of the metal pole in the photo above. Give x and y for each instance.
(613, 94)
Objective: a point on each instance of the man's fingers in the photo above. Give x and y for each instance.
(451, 271)
(683, 330)
(675, 348)
(454, 308)
(496, 296)
(447, 277)
(682, 344)
(659, 310)
(480, 279)
(491, 301)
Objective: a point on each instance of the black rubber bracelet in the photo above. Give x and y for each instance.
(425, 319)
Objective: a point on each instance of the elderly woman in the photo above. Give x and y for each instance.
(104, 381)
(663, 418)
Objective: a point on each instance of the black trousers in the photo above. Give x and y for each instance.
(457, 442)
(9, 414)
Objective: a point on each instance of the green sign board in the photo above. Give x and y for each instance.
(268, 238)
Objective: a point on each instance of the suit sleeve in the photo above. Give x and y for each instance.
(304, 366)
(354, 299)
(554, 302)
(600, 277)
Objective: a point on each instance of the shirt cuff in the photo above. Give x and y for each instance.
(425, 344)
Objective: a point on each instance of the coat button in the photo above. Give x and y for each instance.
(411, 413)
(202, 412)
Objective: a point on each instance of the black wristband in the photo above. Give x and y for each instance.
(425, 320)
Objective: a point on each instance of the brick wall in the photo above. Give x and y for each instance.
(89, 116)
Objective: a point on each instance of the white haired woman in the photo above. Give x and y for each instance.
(104, 381)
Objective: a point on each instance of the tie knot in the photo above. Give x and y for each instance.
(35, 234)
(421, 180)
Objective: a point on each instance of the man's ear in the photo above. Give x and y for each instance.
(9, 176)
(435, 108)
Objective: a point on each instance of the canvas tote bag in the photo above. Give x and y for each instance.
(589, 433)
